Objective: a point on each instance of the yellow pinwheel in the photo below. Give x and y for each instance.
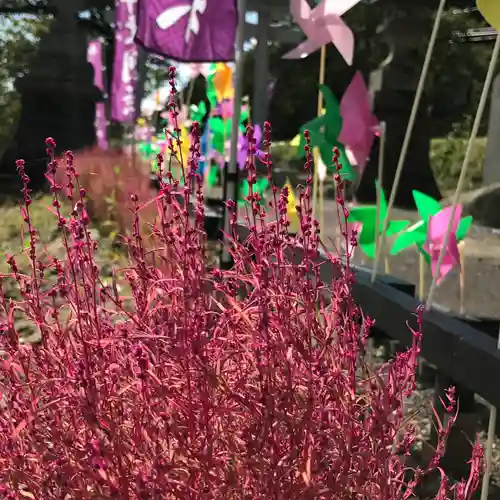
(490, 10)
(291, 210)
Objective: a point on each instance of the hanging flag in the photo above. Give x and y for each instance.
(188, 30)
(125, 63)
(94, 57)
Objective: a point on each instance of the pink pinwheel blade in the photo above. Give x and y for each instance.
(450, 260)
(438, 225)
(358, 122)
(320, 27)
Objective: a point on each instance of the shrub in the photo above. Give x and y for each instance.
(110, 177)
(447, 156)
(240, 384)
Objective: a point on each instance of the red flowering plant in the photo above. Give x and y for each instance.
(240, 384)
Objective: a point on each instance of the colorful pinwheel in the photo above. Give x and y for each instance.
(148, 149)
(417, 233)
(198, 112)
(321, 26)
(291, 210)
(324, 134)
(220, 83)
(213, 172)
(220, 132)
(490, 10)
(438, 226)
(367, 216)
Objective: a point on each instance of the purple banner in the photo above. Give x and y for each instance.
(94, 57)
(188, 30)
(125, 63)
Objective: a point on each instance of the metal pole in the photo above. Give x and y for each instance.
(231, 178)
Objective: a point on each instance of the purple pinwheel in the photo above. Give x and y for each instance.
(244, 146)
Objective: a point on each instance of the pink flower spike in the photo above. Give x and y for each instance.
(438, 225)
(353, 230)
(359, 125)
(323, 25)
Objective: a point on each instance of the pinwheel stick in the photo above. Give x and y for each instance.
(461, 248)
(321, 81)
(421, 276)
(409, 128)
(380, 176)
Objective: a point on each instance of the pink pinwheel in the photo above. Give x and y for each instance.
(359, 125)
(321, 26)
(244, 146)
(438, 225)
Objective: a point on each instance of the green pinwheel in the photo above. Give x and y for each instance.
(417, 233)
(259, 187)
(148, 150)
(367, 217)
(198, 112)
(220, 131)
(213, 171)
(324, 132)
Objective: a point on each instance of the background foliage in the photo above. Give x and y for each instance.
(452, 91)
